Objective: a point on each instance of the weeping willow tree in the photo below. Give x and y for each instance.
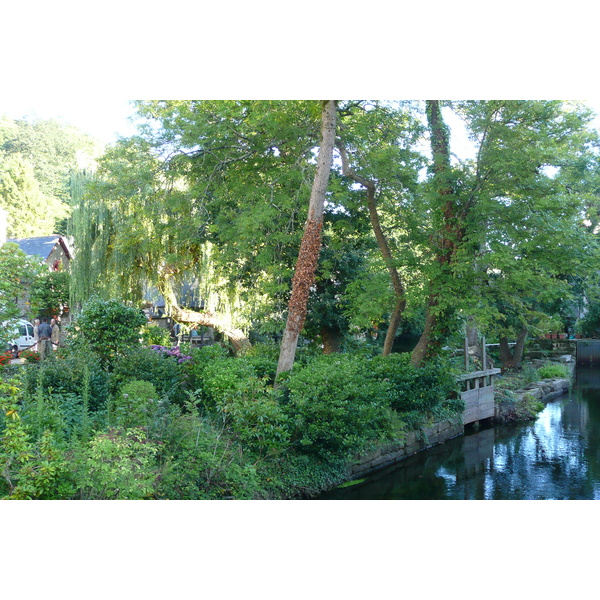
(130, 237)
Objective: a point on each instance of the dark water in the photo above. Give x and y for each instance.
(557, 457)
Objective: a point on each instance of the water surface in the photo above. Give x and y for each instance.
(556, 457)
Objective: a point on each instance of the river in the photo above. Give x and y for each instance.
(555, 457)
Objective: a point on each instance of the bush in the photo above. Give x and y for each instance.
(135, 405)
(202, 462)
(215, 377)
(64, 372)
(145, 364)
(430, 391)
(255, 418)
(263, 358)
(335, 407)
(154, 334)
(115, 465)
(5, 358)
(552, 372)
(109, 328)
(30, 356)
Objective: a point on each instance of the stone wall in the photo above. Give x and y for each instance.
(546, 389)
(415, 441)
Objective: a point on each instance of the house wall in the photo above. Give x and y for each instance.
(58, 254)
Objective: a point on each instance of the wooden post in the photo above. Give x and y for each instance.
(483, 354)
(466, 354)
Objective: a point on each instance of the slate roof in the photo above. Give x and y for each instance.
(41, 246)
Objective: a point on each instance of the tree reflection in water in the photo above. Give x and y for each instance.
(556, 457)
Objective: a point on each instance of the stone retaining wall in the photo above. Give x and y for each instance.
(438, 433)
(415, 441)
(545, 390)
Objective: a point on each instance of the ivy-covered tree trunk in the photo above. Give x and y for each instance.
(450, 233)
(310, 247)
(384, 248)
(512, 360)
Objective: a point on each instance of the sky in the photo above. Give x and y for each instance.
(103, 118)
(106, 119)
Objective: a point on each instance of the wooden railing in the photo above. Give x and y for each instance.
(478, 395)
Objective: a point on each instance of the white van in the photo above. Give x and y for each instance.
(21, 335)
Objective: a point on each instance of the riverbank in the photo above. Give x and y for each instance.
(517, 399)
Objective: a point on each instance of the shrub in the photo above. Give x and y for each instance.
(135, 405)
(154, 334)
(429, 391)
(5, 358)
(109, 328)
(115, 465)
(255, 418)
(145, 364)
(263, 358)
(202, 462)
(28, 468)
(552, 372)
(30, 356)
(215, 376)
(334, 406)
(64, 372)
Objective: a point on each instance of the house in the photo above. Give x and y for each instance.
(51, 249)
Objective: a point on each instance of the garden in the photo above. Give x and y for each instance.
(110, 416)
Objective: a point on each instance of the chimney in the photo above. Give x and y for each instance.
(3, 225)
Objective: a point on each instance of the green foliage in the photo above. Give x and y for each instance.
(134, 405)
(335, 408)
(65, 373)
(427, 392)
(263, 358)
(17, 273)
(513, 408)
(204, 463)
(30, 469)
(256, 419)
(109, 327)
(144, 364)
(590, 324)
(116, 465)
(49, 294)
(30, 211)
(154, 334)
(552, 372)
(215, 376)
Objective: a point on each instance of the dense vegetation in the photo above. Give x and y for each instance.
(159, 422)
(341, 226)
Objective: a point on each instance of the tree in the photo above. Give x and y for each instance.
(450, 228)
(310, 246)
(499, 214)
(109, 327)
(17, 272)
(38, 159)
(50, 293)
(30, 211)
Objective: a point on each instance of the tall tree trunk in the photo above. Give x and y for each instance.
(512, 360)
(331, 339)
(451, 232)
(384, 248)
(308, 257)
(237, 337)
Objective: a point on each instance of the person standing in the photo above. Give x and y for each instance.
(55, 337)
(36, 334)
(45, 341)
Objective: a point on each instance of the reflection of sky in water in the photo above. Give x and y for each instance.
(555, 457)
